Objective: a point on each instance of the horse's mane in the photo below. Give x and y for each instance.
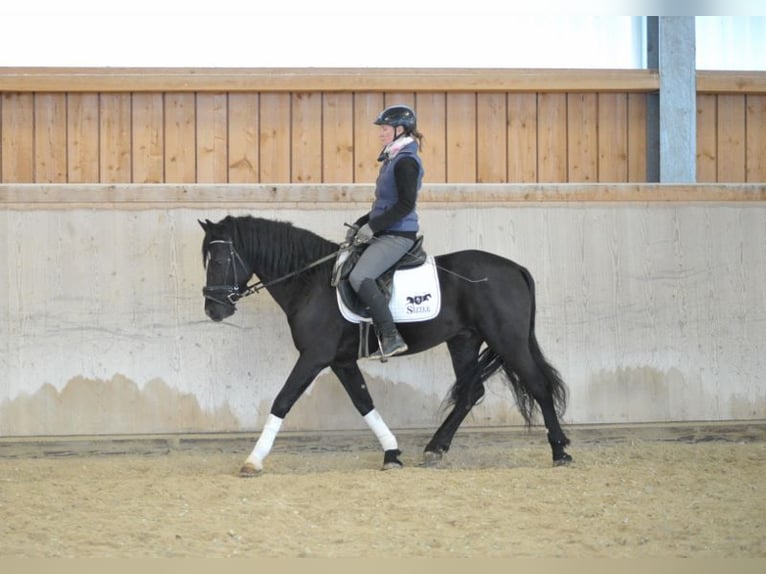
(277, 247)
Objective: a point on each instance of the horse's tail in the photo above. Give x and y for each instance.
(490, 362)
(553, 381)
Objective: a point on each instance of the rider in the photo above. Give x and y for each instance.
(391, 226)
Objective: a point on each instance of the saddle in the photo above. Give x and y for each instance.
(344, 263)
(418, 280)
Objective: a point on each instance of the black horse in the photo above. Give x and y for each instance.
(487, 301)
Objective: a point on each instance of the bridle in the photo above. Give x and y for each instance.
(227, 294)
(230, 294)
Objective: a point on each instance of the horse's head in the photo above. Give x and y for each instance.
(227, 273)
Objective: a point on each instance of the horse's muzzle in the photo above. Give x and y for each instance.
(220, 301)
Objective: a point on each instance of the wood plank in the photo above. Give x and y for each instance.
(324, 196)
(180, 138)
(432, 123)
(461, 138)
(115, 138)
(637, 137)
(83, 138)
(755, 155)
(707, 150)
(306, 138)
(244, 166)
(17, 142)
(337, 138)
(522, 138)
(337, 80)
(731, 81)
(398, 98)
(367, 145)
(613, 141)
(148, 133)
(731, 134)
(212, 138)
(491, 138)
(582, 137)
(274, 137)
(552, 137)
(50, 138)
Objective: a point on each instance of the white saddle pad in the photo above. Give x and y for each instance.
(415, 295)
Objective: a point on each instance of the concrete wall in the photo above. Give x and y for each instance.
(651, 311)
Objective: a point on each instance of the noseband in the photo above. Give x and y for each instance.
(227, 294)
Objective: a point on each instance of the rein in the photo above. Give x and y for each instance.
(255, 287)
(230, 294)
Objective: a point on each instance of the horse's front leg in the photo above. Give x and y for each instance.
(353, 381)
(303, 374)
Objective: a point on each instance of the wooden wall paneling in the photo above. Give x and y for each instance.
(707, 139)
(731, 138)
(491, 138)
(397, 98)
(461, 137)
(522, 138)
(212, 138)
(612, 137)
(17, 142)
(755, 156)
(274, 138)
(148, 138)
(50, 153)
(552, 137)
(180, 138)
(306, 137)
(244, 166)
(432, 123)
(115, 138)
(338, 137)
(582, 137)
(636, 137)
(367, 106)
(83, 138)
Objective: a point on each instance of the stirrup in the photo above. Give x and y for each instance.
(399, 348)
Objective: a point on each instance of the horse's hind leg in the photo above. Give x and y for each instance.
(539, 381)
(468, 389)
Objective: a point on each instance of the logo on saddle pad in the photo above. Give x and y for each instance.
(415, 295)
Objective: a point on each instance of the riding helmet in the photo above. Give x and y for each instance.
(398, 115)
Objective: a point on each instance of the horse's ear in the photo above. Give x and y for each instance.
(203, 224)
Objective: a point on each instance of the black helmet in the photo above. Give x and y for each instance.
(398, 116)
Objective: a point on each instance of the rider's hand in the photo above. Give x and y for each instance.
(364, 234)
(351, 233)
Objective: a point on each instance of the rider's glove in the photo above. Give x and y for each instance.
(363, 234)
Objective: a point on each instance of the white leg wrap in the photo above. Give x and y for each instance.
(265, 441)
(381, 430)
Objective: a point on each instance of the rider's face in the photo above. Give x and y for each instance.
(386, 134)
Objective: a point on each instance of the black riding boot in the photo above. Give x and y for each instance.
(391, 342)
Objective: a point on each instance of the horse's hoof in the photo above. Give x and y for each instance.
(249, 470)
(432, 457)
(563, 460)
(391, 460)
